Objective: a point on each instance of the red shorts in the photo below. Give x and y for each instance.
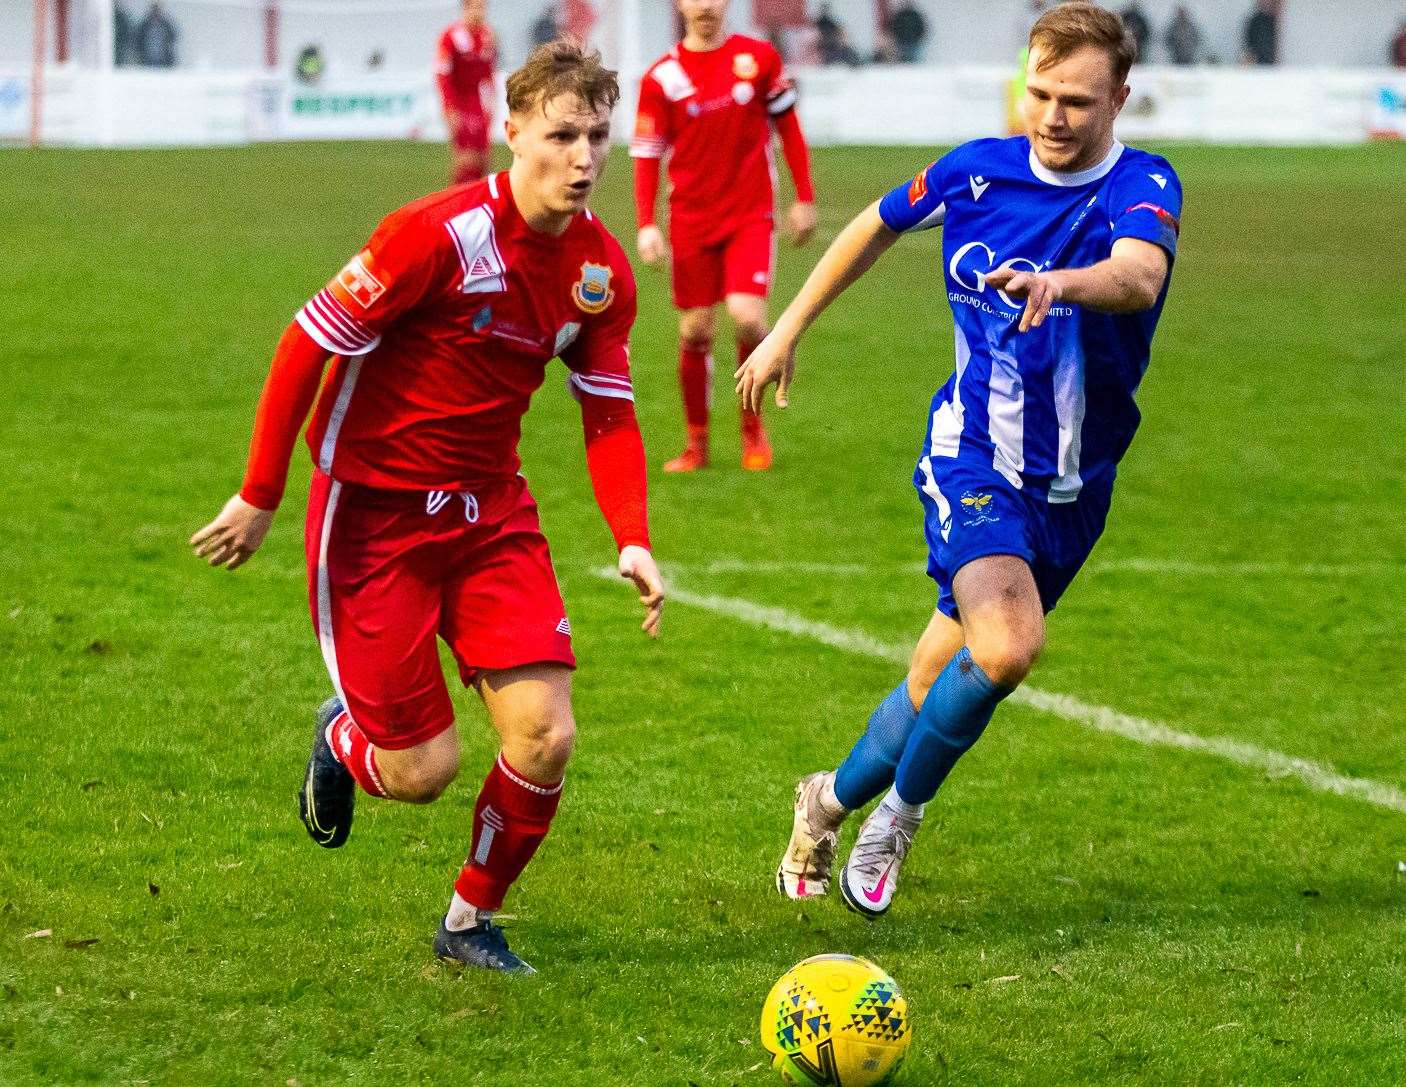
(390, 570)
(741, 263)
(470, 133)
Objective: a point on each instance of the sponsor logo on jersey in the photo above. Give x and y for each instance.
(592, 293)
(358, 282)
(483, 318)
(744, 66)
(919, 188)
(979, 186)
(742, 93)
(1166, 217)
(1161, 181)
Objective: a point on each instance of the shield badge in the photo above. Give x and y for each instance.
(592, 293)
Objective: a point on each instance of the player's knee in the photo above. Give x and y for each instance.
(543, 743)
(750, 327)
(697, 330)
(1007, 656)
(422, 778)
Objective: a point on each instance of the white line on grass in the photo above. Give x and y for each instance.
(1315, 775)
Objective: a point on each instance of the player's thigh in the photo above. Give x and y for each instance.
(970, 511)
(1003, 618)
(697, 275)
(530, 708)
(501, 607)
(749, 260)
(376, 611)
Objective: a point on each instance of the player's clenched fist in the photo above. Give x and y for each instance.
(234, 535)
(638, 565)
(650, 244)
(773, 360)
(1041, 290)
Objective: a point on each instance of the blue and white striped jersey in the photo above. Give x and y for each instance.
(1051, 409)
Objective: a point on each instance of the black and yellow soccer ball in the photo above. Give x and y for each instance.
(836, 1021)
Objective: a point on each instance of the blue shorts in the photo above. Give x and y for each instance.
(970, 511)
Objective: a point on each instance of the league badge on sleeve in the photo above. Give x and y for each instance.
(592, 293)
(357, 281)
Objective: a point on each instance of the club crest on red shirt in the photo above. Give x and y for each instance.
(358, 282)
(744, 66)
(592, 292)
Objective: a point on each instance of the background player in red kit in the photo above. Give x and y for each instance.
(419, 523)
(464, 64)
(710, 103)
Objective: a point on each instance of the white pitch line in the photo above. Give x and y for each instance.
(1315, 775)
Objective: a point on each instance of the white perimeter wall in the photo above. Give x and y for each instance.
(928, 106)
(229, 34)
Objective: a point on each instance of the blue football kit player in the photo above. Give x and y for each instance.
(1056, 252)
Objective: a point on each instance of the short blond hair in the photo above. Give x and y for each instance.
(562, 67)
(1063, 30)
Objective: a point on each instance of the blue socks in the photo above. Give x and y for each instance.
(954, 715)
(869, 767)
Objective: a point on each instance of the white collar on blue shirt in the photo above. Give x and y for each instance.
(1083, 177)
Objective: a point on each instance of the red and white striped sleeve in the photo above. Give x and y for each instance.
(398, 268)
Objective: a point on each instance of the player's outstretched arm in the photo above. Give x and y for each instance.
(1129, 281)
(236, 533)
(850, 255)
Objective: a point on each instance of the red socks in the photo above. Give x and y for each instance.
(354, 751)
(696, 381)
(511, 818)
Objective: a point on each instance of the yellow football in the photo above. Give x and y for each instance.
(836, 1021)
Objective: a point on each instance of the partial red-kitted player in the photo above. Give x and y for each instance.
(464, 67)
(711, 104)
(419, 524)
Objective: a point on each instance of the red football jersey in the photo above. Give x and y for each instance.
(464, 64)
(712, 111)
(443, 327)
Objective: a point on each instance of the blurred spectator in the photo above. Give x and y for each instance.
(310, 65)
(156, 39)
(544, 30)
(885, 52)
(1398, 48)
(1136, 21)
(829, 31)
(124, 38)
(1262, 33)
(909, 29)
(1183, 38)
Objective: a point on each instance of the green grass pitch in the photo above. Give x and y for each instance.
(1168, 916)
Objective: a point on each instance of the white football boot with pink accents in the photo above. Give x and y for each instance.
(870, 875)
(804, 871)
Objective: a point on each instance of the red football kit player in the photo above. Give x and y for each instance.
(464, 64)
(710, 104)
(419, 525)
